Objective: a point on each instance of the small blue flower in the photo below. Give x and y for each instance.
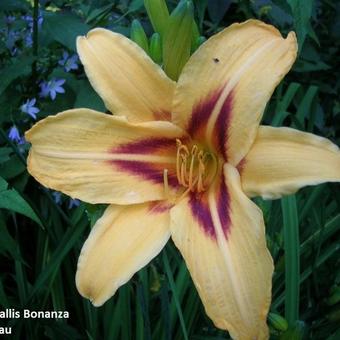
(12, 38)
(51, 88)
(28, 39)
(22, 141)
(57, 197)
(14, 134)
(29, 108)
(44, 89)
(29, 20)
(9, 19)
(14, 51)
(69, 62)
(73, 203)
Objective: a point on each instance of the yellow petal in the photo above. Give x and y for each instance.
(222, 239)
(224, 87)
(101, 158)
(128, 81)
(282, 160)
(123, 240)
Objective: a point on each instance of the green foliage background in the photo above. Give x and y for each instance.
(40, 239)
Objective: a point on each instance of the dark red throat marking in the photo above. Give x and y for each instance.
(201, 114)
(201, 211)
(147, 170)
(146, 146)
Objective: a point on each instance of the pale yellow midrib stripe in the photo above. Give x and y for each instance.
(230, 85)
(223, 246)
(103, 156)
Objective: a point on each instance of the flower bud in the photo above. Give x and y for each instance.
(138, 35)
(295, 332)
(156, 48)
(158, 14)
(177, 39)
(278, 322)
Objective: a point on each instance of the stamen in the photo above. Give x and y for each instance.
(195, 169)
(166, 183)
(178, 161)
(183, 169)
(182, 155)
(191, 170)
(183, 195)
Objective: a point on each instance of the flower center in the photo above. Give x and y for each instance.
(195, 168)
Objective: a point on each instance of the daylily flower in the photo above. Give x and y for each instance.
(182, 160)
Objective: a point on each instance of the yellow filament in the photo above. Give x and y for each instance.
(182, 154)
(195, 169)
(183, 171)
(166, 183)
(191, 170)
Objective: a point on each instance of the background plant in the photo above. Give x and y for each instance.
(42, 231)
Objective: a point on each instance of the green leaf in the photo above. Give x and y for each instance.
(94, 212)
(7, 243)
(3, 297)
(135, 5)
(21, 67)
(13, 5)
(99, 13)
(69, 239)
(65, 28)
(174, 294)
(3, 184)
(292, 258)
(217, 9)
(11, 168)
(302, 12)
(11, 200)
(87, 97)
(283, 104)
(305, 105)
(5, 154)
